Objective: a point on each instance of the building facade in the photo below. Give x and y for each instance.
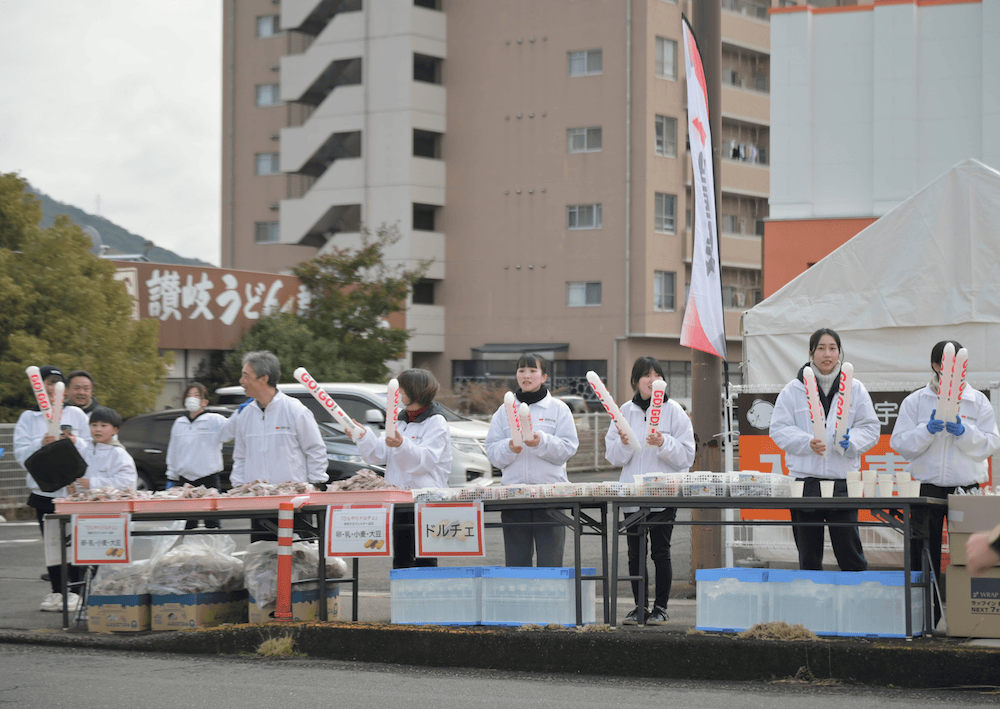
(534, 149)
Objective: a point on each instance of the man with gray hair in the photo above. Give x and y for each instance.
(277, 438)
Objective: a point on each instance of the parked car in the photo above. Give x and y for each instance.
(146, 437)
(367, 403)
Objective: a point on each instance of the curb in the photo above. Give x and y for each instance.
(599, 651)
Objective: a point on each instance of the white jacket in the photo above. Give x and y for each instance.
(195, 448)
(279, 444)
(424, 458)
(109, 466)
(675, 455)
(31, 429)
(941, 458)
(545, 463)
(791, 430)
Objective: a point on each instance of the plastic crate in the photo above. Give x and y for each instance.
(751, 484)
(872, 604)
(808, 598)
(540, 595)
(434, 494)
(702, 484)
(436, 595)
(519, 492)
(731, 600)
(474, 494)
(659, 484)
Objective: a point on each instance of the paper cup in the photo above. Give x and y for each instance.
(913, 488)
(868, 488)
(901, 479)
(826, 487)
(884, 489)
(853, 476)
(855, 488)
(797, 487)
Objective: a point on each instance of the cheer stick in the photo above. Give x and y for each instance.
(392, 408)
(42, 397)
(524, 416)
(612, 408)
(843, 405)
(516, 435)
(815, 409)
(302, 376)
(656, 406)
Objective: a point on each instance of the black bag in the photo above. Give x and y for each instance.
(56, 465)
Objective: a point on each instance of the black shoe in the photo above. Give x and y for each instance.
(633, 616)
(658, 617)
(45, 576)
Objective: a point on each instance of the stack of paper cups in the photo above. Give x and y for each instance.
(868, 481)
(885, 485)
(826, 487)
(797, 487)
(855, 488)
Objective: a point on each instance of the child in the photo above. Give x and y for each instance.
(669, 448)
(194, 453)
(542, 459)
(418, 455)
(108, 463)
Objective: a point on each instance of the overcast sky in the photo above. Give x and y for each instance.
(119, 99)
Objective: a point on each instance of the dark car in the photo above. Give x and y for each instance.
(146, 437)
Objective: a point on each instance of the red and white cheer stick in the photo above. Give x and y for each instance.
(612, 408)
(513, 419)
(953, 370)
(391, 408)
(815, 408)
(524, 416)
(843, 403)
(42, 397)
(302, 376)
(656, 406)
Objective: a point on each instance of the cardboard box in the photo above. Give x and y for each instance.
(973, 607)
(198, 610)
(118, 614)
(969, 514)
(305, 606)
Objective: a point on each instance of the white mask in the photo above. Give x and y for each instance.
(192, 404)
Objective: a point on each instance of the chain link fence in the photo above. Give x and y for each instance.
(13, 491)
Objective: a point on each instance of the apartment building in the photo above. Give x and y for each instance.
(534, 149)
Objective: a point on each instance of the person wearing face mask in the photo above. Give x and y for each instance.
(669, 448)
(194, 453)
(542, 459)
(813, 459)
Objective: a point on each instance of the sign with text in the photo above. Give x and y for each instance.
(450, 529)
(101, 539)
(359, 530)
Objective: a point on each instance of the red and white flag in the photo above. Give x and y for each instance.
(704, 328)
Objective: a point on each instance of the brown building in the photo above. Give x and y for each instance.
(534, 148)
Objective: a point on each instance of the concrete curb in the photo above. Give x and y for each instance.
(601, 651)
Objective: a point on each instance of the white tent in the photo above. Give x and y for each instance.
(928, 270)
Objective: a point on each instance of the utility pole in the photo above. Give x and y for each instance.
(706, 369)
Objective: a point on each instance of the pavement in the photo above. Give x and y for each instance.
(673, 651)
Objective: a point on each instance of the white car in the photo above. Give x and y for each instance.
(367, 403)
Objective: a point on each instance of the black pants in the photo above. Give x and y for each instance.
(809, 540)
(45, 506)
(545, 541)
(208, 481)
(659, 551)
(404, 540)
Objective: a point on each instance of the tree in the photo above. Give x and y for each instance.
(60, 305)
(344, 335)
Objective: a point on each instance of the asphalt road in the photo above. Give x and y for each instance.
(51, 678)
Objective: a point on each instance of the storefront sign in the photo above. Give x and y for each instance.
(450, 529)
(359, 530)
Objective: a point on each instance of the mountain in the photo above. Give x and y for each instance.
(120, 240)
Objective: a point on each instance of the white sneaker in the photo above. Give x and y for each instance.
(74, 602)
(52, 603)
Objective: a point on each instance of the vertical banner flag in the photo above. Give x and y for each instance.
(704, 328)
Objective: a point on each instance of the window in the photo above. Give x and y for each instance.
(268, 26)
(678, 377)
(426, 144)
(268, 94)
(583, 216)
(666, 136)
(429, 4)
(741, 288)
(586, 63)
(268, 163)
(423, 292)
(666, 58)
(265, 232)
(427, 69)
(580, 294)
(424, 216)
(663, 290)
(666, 207)
(584, 140)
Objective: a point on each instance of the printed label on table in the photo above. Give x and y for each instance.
(450, 529)
(101, 539)
(359, 530)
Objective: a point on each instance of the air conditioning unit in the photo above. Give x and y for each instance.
(740, 298)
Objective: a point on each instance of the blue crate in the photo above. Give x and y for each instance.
(444, 595)
(872, 604)
(539, 595)
(807, 598)
(730, 600)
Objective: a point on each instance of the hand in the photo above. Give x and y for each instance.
(935, 425)
(980, 555)
(846, 441)
(623, 436)
(48, 438)
(170, 484)
(516, 449)
(955, 427)
(69, 435)
(533, 441)
(394, 441)
(655, 438)
(359, 432)
(818, 446)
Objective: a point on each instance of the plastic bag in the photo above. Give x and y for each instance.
(133, 579)
(261, 569)
(202, 563)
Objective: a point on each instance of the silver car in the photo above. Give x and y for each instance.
(367, 402)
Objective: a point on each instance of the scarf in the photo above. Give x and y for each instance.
(531, 397)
